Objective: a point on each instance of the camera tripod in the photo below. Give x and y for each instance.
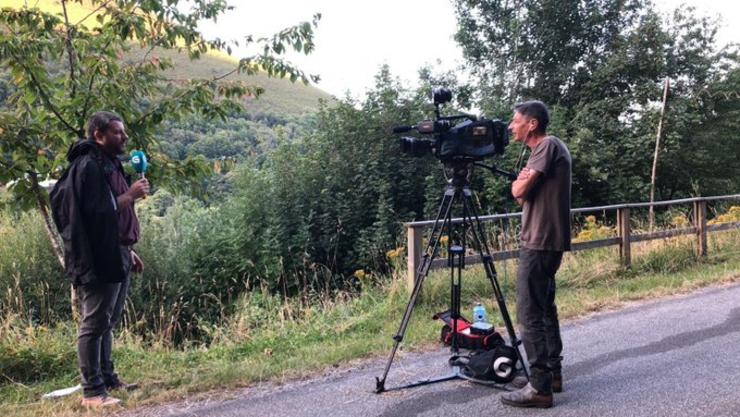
(457, 192)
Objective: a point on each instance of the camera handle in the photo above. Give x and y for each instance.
(438, 114)
(508, 174)
(457, 192)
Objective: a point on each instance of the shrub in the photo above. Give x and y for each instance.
(30, 353)
(31, 278)
(732, 215)
(594, 231)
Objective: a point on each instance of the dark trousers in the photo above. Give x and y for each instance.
(538, 316)
(102, 308)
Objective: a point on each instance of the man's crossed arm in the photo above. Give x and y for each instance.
(523, 184)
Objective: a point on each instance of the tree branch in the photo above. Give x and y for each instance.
(160, 105)
(93, 12)
(21, 62)
(70, 51)
(46, 99)
(146, 55)
(221, 77)
(89, 88)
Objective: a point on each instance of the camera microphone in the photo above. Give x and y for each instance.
(403, 129)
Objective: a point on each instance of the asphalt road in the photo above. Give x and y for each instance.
(672, 357)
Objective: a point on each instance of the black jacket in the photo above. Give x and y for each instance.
(84, 211)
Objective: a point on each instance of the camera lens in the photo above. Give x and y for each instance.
(415, 147)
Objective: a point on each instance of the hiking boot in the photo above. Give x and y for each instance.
(557, 382)
(100, 401)
(119, 385)
(527, 397)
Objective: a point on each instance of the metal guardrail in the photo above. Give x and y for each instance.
(414, 232)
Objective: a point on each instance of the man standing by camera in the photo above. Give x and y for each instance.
(543, 189)
(93, 208)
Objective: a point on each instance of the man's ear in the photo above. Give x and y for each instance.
(535, 123)
(98, 136)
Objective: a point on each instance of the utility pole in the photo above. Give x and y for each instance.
(651, 214)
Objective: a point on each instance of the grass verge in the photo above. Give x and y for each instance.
(276, 340)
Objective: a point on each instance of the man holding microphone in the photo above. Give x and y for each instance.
(93, 208)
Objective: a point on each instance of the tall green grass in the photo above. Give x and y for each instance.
(263, 336)
(32, 282)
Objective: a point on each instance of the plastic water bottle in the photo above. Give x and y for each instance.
(479, 313)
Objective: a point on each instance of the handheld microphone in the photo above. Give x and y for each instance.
(139, 162)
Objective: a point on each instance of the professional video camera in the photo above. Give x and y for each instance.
(472, 139)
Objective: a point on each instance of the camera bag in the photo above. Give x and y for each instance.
(467, 337)
(484, 366)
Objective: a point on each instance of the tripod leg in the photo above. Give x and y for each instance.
(455, 291)
(429, 254)
(455, 248)
(485, 254)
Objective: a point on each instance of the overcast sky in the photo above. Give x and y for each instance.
(355, 37)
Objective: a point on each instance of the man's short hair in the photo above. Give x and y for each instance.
(535, 109)
(101, 120)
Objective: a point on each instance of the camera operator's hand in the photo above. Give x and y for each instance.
(523, 184)
(523, 174)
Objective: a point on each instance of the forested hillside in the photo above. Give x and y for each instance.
(281, 109)
(281, 97)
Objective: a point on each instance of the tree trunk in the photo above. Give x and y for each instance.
(55, 246)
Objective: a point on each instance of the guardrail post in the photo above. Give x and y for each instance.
(413, 258)
(623, 224)
(700, 222)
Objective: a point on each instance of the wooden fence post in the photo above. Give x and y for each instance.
(623, 224)
(700, 222)
(413, 258)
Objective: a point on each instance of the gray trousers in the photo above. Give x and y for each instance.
(102, 308)
(538, 316)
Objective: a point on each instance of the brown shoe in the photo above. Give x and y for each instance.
(527, 397)
(519, 382)
(99, 401)
(557, 382)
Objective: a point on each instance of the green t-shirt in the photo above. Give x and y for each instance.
(546, 211)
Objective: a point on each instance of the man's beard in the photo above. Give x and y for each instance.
(114, 149)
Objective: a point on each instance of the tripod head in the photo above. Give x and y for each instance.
(460, 171)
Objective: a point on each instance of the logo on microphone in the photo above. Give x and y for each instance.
(139, 162)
